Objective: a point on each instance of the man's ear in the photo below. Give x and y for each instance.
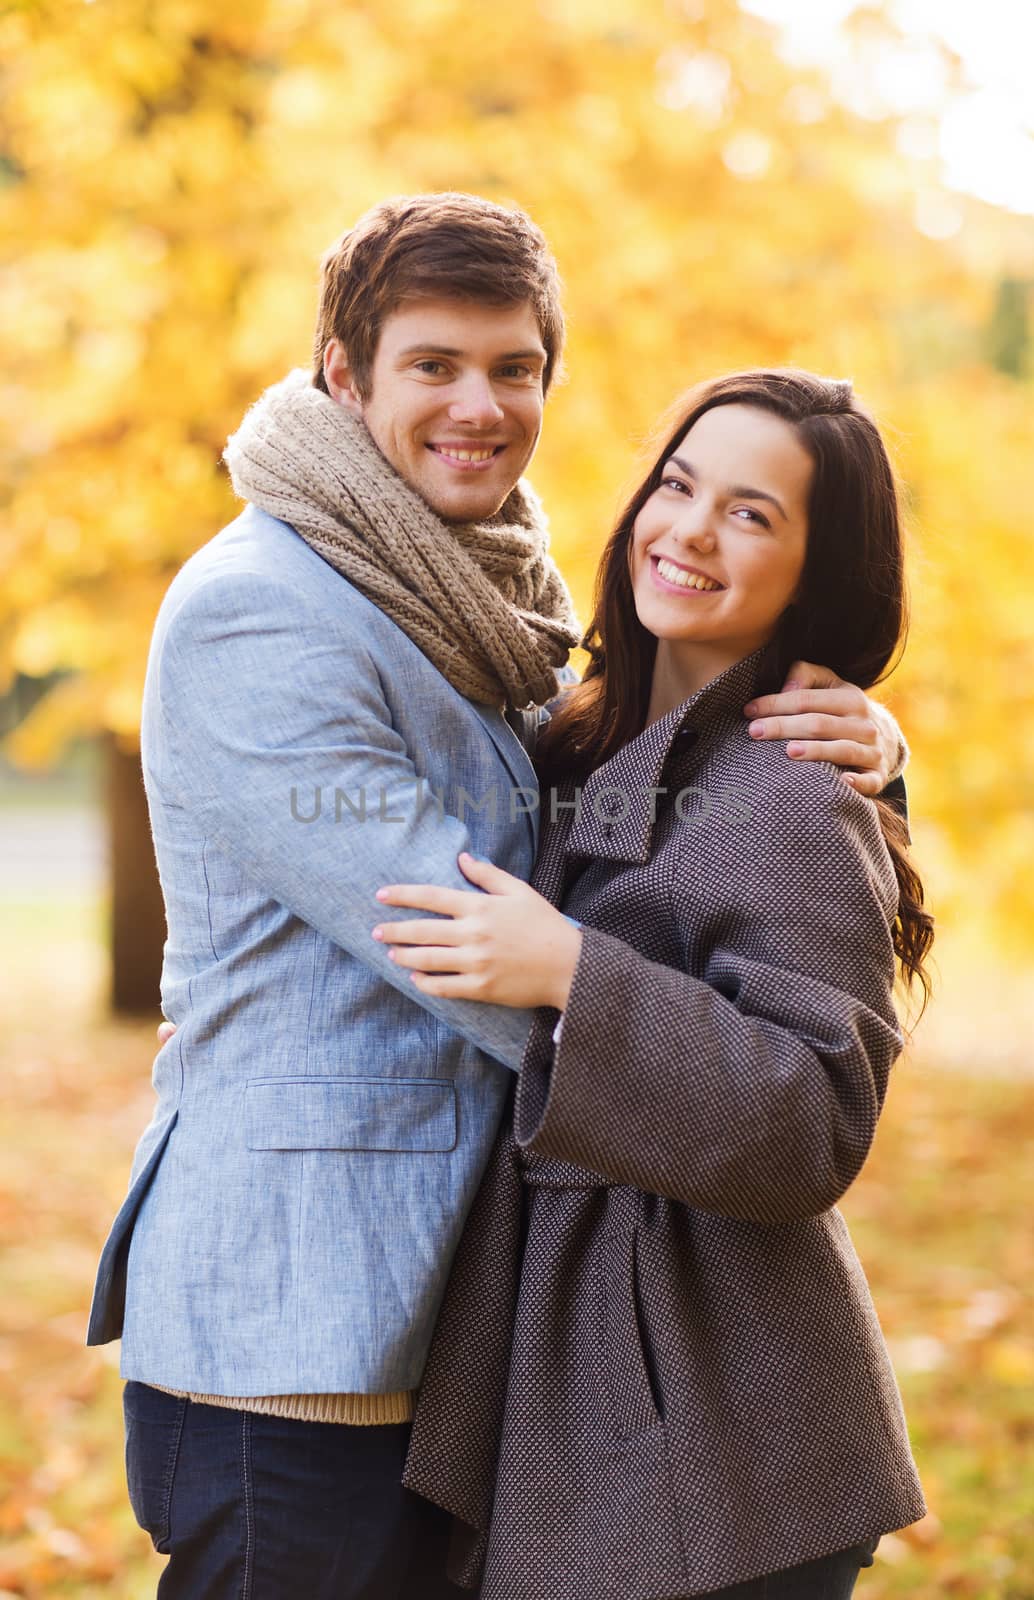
(337, 373)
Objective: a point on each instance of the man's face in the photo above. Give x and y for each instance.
(455, 400)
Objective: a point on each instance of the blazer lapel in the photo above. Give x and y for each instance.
(518, 765)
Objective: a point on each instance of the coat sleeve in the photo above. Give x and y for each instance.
(753, 1089)
(261, 710)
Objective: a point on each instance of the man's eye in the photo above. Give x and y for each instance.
(514, 372)
(432, 368)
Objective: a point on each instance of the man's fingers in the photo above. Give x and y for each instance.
(417, 932)
(840, 702)
(842, 752)
(869, 783)
(816, 726)
(165, 1032)
(809, 675)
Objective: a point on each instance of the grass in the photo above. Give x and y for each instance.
(940, 1217)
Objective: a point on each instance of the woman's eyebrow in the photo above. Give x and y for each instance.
(738, 491)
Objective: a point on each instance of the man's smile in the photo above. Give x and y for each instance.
(467, 458)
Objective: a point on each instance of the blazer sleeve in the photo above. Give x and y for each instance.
(262, 706)
(752, 1090)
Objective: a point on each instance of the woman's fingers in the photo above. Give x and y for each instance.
(464, 986)
(426, 897)
(486, 875)
(429, 958)
(415, 931)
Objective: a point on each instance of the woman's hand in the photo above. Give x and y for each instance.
(507, 945)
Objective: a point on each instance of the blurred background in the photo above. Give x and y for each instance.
(844, 186)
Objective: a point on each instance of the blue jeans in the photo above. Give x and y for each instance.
(250, 1507)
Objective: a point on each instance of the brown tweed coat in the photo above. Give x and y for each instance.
(658, 1370)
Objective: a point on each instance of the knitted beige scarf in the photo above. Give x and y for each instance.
(484, 601)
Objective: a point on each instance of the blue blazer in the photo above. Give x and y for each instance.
(320, 1128)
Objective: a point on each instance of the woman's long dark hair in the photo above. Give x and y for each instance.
(851, 611)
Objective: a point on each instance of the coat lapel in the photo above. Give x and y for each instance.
(619, 801)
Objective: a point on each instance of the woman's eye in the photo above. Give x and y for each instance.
(752, 515)
(676, 483)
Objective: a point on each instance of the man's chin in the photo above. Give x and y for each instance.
(467, 504)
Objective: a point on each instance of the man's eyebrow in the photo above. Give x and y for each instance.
(739, 491)
(536, 353)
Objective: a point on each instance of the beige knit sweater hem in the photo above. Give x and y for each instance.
(357, 1410)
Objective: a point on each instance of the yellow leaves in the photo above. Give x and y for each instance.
(120, 707)
(177, 171)
(272, 322)
(53, 636)
(56, 719)
(301, 98)
(748, 154)
(1012, 1363)
(147, 62)
(107, 357)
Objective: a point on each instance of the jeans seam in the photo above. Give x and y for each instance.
(171, 1463)
(249, 1525)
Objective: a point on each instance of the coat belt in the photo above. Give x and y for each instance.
(538, 1173)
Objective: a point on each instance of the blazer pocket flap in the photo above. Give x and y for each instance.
(350, 1114)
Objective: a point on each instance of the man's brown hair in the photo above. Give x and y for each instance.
(424, 246)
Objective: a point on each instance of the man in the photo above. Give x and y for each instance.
(341, 690)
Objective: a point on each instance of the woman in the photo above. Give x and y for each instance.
(658, 1372)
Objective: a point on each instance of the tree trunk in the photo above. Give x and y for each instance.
(137, 912)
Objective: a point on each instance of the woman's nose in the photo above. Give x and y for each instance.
(696, 525)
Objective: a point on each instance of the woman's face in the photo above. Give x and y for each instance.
(718, 549)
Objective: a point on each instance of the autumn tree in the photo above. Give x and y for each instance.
(169, 175)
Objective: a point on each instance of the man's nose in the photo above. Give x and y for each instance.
(474, 402)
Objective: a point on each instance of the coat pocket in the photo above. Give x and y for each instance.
(399, 1114)
(630, 1372)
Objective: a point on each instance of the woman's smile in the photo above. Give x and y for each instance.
(672, 575)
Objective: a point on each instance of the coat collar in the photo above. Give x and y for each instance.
(617, 811)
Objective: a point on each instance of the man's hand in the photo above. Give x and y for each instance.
(827, 719)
